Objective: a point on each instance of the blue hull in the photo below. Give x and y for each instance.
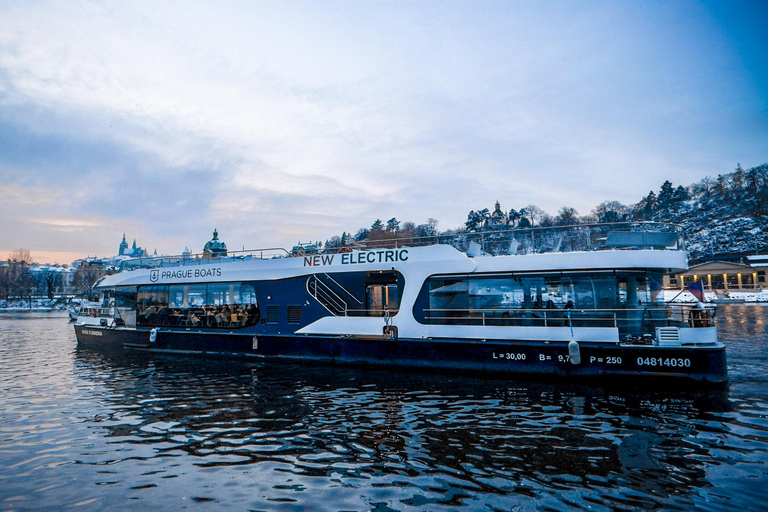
(507, 358)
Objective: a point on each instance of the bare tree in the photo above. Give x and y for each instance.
(611, 211)
(567, 216)
(534, 213)
(22, 256)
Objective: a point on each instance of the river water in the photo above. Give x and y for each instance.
(82, 431)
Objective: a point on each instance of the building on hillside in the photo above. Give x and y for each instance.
(215, 248)
(498, 217)
(133, 252)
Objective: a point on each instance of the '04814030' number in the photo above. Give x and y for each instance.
(664, 361)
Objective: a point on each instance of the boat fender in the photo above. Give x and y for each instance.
(574, 354)
(153, 335)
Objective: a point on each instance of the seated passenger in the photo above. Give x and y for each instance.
(220, 317)
(192, 318)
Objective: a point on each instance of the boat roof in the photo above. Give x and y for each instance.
(510, 251)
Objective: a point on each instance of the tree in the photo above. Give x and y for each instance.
(24, 284)
(680, 194)
(474, 220)
(50, 281)
(428, 229)
(567, 216)
(533, 213)
(665, 195)
(611, 211)
(705, 187)
(645, 209)
(739, 178)
(22, 256)
(393, 225)
(377, 225)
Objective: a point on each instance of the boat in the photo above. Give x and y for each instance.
(579, 303)
(87, 309)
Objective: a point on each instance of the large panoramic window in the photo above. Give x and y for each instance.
(217, 305)
(507, 299)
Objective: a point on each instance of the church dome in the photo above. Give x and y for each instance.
(215, 247)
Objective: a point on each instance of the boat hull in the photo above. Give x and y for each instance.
(705, 363)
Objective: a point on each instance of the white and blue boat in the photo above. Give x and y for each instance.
(582, 303)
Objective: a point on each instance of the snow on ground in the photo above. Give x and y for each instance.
(35, 305)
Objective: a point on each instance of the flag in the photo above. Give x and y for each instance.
(697, 289)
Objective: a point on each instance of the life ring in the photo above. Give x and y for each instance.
(345, 249)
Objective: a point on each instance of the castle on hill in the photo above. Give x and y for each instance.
(133, 252)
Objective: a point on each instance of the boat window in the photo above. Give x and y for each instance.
(187, 295)
(125, 297)
(509, 292)
(230, 293)
(156, 295)
(224, 305)
(595, 299)
(448, 294)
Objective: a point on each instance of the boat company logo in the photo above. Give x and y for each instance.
(154, 275)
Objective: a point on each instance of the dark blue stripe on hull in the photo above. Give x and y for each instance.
(703, 364)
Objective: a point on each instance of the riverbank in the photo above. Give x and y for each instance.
(35, 305)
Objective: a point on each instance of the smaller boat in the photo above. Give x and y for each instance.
(93, 312)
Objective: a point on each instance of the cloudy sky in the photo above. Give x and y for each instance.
(278, 122)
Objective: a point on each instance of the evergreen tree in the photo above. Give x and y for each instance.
(665, 195)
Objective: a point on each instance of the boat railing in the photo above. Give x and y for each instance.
(97, 312)
(198, 259)
(630, 320)
(325, 295)
(579, 237)
(483, 242)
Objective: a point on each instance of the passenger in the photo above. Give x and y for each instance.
(192, 318)
(569, 304)
(220, 316)
(210, 316)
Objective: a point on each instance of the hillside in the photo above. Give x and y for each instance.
(721, 216)
(725, 215)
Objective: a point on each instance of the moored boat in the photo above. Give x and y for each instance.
(581, 303)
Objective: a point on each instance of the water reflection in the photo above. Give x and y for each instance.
(415, 440)
(83, 431)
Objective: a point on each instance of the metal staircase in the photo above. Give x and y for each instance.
(324, 290)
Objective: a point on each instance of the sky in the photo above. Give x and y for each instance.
(279, 122)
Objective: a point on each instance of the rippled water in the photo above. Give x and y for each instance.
(82, 431)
